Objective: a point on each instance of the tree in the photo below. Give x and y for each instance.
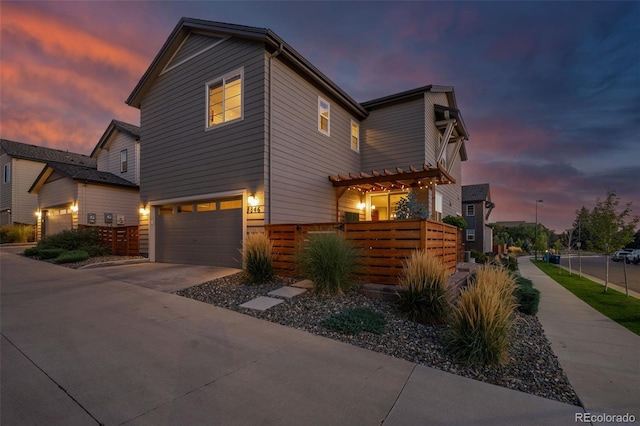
(610, 228)
(409, 208)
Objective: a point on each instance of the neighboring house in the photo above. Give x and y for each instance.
(238, 130)
(476, 207)
(103, 194)
(21, 164)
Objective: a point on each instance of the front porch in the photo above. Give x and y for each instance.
(385, 244)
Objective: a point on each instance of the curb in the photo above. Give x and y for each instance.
(113, 263)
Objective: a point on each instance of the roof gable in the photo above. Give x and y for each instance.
(43, 154)
(80, 174)
(473, 193)
(115, 126)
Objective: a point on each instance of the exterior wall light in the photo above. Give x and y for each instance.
(144, 211)
(361, 205)
(74, 208)
(38, 214)
(253, 200)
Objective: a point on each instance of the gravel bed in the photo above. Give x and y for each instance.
(532, 367)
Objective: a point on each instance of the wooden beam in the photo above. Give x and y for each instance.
(455, 152)
(392, 178)
(445, 141)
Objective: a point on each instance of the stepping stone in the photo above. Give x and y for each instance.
(287, 292)
(308, 284)
(261, 303)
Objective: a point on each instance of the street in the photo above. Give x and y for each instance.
(595, 265)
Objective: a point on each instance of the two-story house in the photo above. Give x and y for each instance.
(477, 206)
(103, 193)
(21, 164)
(238, 130)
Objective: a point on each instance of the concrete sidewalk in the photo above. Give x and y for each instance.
(600, 357)
(81, 349)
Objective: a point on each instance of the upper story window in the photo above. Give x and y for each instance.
(471, 210)
(471, 234)
(123, 161)
(355, 136)
(224, 99)
(324, 111)
(6, 177)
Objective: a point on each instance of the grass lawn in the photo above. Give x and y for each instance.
(613, 304)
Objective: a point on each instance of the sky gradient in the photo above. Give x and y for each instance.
(550, 92)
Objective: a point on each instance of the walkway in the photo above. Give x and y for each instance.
(600, 357)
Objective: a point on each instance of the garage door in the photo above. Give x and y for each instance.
(202, 233)
(54, 222)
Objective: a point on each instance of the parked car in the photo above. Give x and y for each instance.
(620, 255)
(633, 257)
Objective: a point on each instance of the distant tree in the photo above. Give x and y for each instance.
(611, 228)
(580, 232)
(542, 244)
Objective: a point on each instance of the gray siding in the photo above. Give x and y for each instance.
(194, 44)
(431, 132)
(179, 158)
(5, 188)
(303, 158)
(102, 199)
(393, 136)
(57, 191)
(24, 204)
(109, 158)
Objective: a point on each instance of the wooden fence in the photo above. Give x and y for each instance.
(385, 244)
(123, 241)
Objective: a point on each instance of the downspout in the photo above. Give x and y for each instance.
(269, 177)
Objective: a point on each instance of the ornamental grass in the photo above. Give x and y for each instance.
(424, 296)
(257, 258)
(482, 320)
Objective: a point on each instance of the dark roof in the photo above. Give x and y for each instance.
(265, 35)
(472, 193)
(83, 174)
(45, 155)
(129, 129)
(383, 101)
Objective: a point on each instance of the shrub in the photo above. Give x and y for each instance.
(257, 258)
(72, 256)
(479, 256)
(455, 221)
(408, 207)
(482, 320)
(424, 297)
(50, 253)
(330, 262)
(527, 296)
(356, 320)
(32, 252)
(16, 233)
(72, 239)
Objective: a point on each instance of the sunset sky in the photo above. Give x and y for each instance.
(550, 92)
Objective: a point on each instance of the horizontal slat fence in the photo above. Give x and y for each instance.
(384, 244)
(123, 240)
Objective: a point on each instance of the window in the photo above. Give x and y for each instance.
(206, 207)
(383, 206)
(230, 204)
(324, 109)
(7, 173)
(471, 234)
(185, 208)
(438, 207)
(355, 136)
(123, 161)
(471, 210)
(224, 99)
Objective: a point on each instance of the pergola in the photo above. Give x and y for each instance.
(387, 180)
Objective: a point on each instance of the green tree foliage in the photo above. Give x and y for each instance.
(611, 226)
(409, 208)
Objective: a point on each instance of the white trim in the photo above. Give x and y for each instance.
(208, 127)
(357, 149)
(470, 234)
(168, 68)
(199, 197)
(467, 210)
(328, 131)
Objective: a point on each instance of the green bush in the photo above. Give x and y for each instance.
(482, 320)
(527, 296)
(424, 296)
(330, 262)
(356, 320)
(257, 257)
(455, 221)
(16, 233)
(72, 256)
(50, 253)
(32, 252)
(479, 256)
(96, 250)
(72, 239)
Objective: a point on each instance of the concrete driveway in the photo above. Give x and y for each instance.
(167, 277)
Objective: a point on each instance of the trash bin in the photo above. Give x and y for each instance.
(555, 258)
(545, 258)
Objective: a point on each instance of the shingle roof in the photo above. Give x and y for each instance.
(45, 155)
(471, 193)
(88, 174)
(121, 126)
(131, 129)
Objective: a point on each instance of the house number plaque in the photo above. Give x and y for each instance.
(255, 209)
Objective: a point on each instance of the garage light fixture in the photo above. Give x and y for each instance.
(74, 208)
(38, 214)
(144, 211)
(253, 200)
